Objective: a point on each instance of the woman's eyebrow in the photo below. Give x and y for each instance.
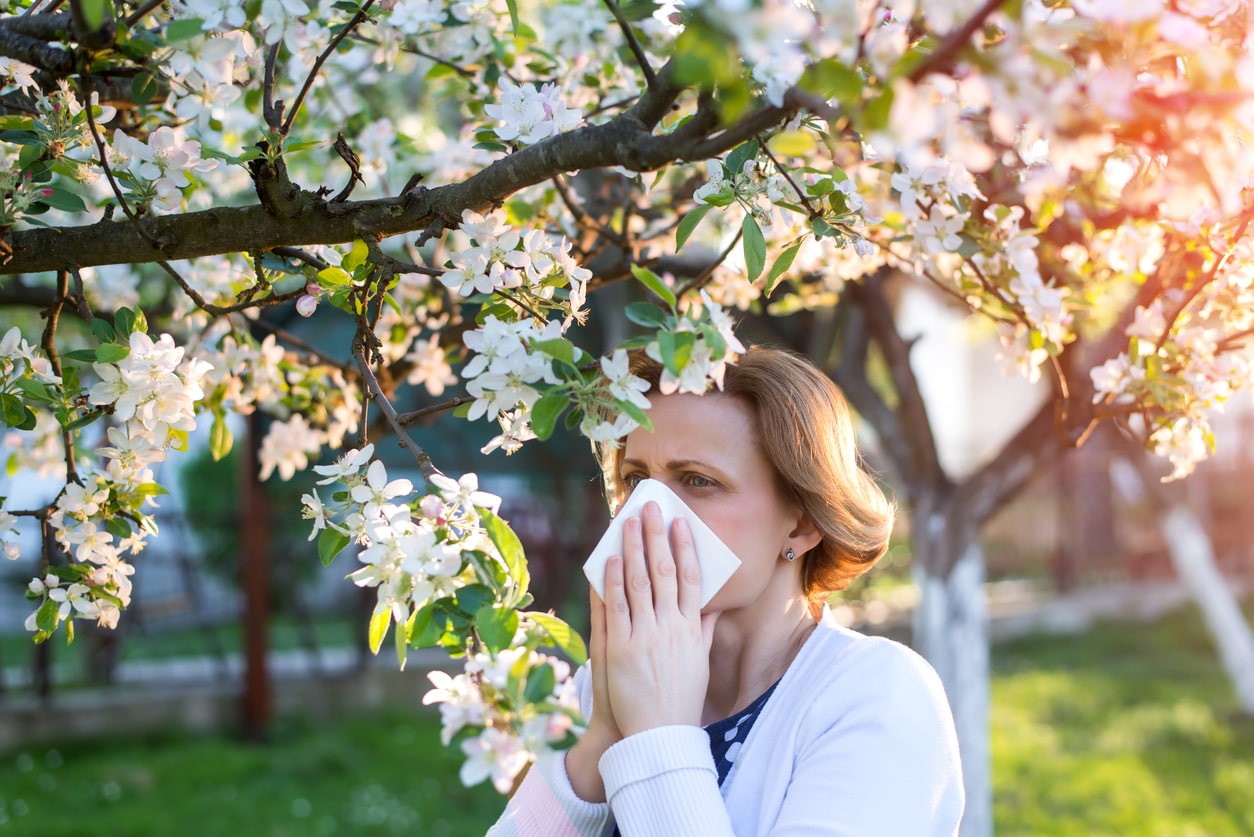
(673, 465)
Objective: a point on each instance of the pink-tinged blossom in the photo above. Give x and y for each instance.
(464, 492)
(493, 754)
(529, 115)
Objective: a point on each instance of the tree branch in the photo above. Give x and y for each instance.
(376, 393)
(322, 59)
(922, 465)
(949, 48)
(641, 59)
(624, 140)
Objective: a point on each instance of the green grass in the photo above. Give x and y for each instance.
(378, 775)
(1128, 730)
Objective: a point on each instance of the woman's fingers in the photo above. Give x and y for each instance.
(636, 571)
(661, 560)
(688, 570)
(617, 610)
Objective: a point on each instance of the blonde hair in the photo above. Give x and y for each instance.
(805, 430)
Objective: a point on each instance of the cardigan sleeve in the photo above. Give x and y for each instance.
(662, 782)
(545, 804)
(876, 755)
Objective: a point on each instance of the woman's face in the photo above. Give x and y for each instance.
(705, 449)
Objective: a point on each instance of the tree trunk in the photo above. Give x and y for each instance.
(951, 631)
(1194, 559)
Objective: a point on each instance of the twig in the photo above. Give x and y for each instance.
(516, 301)
(805, 201)
(291, 339)
(406, 419)
(300, 255)
(461, 71)
(49, 344)
(102, 150)
(706, 274)
(372, 386)
(80, 296)
(320, 60)
(650, 78)
(349, 156)
(273, 114)
(955, 41)
(138, 14)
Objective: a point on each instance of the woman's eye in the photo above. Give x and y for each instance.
(632, 480)
(698, 481)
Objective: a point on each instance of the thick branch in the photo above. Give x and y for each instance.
(37, 53)
(624, 140)
(922, 465)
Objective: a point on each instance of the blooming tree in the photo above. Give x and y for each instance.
(456, 179)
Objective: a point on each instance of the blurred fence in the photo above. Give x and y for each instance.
(1086, 522)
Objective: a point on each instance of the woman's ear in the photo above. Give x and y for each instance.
(804, 536)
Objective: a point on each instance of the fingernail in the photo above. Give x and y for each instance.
(681, 525)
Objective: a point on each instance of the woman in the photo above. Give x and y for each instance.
(811, 729)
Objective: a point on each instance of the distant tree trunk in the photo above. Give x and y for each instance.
(951, 631)
(1194, 559)
(1191, 552)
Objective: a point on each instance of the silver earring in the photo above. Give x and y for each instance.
(789, 554)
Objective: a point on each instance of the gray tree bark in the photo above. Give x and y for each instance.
(951, 631)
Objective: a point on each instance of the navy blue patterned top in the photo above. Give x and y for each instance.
(728, 736)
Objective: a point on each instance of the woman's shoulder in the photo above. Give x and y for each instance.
(842, 662)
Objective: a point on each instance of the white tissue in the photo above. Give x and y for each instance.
(717, 561)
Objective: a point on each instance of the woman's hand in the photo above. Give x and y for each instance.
(657, 643)
(602, 732)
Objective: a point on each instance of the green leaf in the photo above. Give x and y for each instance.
(559, 349)
(740, 155)
(379, 628)
(220, 439)
(46, 618)
(782, 263)
(646, 314)
(512, 5)
(540, 683)
(496, 626)
(356, 257)
(94, 13)
(754, 246)
(118, 526)
(545, 413)
(424, 629)
(16, 123)
(510, 547)
(16, 414)
(654, 283)
(401, 638)
(831, 79)
(332, 277)
(472, 597)
(63, 200)
(636, 414)
(877, 111)
(689, 224)
(123, 323)
(182, 30)
(563, 636)
(111, 353)
(676, 349)
(144, 88)
(797, 143)
(102, 329)
(330, 543)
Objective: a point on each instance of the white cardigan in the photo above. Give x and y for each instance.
(857, 740)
